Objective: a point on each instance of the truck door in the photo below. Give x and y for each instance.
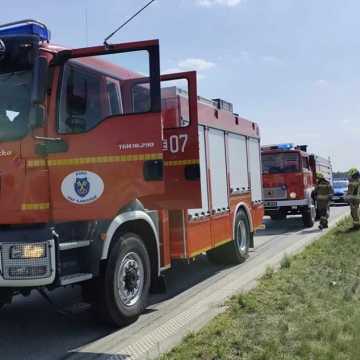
(181, 142)
(103, 144)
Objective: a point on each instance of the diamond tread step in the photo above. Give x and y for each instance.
(75, 278)
(73, 245)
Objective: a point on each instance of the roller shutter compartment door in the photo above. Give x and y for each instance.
(238, 163)
(218, 171)
(255, 169)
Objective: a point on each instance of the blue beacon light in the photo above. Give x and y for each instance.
(287, 146)
(26, 27)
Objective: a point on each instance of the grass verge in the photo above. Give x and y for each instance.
(309, 309)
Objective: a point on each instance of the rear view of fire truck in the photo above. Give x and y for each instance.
(108, 171)
(289, 178)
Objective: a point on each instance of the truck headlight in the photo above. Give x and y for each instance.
(30, 251)
(293, 195)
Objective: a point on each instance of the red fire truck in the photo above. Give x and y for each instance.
(109, 172)
(289, 181)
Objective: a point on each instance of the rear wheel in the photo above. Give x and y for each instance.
(126, 282)
(236, 251)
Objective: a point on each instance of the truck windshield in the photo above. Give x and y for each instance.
(14, 104)
(280, 163)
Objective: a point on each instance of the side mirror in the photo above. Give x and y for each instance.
(37, 116)
(40, 81)
(39, 88)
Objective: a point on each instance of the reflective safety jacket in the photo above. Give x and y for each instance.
(323, 190)
(354, 190)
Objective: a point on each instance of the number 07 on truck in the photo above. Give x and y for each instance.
(109, 171)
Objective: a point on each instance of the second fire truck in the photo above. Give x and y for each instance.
(289, 178)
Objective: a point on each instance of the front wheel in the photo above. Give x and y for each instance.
(309, 215)
(126, 281)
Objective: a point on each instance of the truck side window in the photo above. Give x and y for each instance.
(175, 103)
(305, 163)
(114, 96)
(80, 102)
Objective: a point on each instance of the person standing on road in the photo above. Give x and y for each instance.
(323, 191)
(353, 196)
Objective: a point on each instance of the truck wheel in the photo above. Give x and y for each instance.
(309, 215)
(126, 281)
(236, 251)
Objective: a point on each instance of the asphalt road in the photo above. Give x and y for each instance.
(32, 329)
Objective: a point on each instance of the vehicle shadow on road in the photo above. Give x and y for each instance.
(46, 334)
(279, 227)
(32, 329)
(183, 276)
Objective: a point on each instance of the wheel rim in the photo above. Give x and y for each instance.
(130, 282)
(241, 236)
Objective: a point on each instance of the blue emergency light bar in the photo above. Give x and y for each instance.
(286, 146)
(26, 27)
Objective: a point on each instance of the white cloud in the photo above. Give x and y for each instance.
(195, 64)
(210, 3)
(171, 71)
(191, 64)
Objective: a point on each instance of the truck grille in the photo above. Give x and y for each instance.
(273, 193)
(22, 268)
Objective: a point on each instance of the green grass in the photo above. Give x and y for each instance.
(309, 309)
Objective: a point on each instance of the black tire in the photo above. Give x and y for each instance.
(317, 216)
(308, 216)
(128, 258)
(278, 216)
(236, 251)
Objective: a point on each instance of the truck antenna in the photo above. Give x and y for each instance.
(126, 22)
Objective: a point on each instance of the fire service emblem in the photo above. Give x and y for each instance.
(82, 186)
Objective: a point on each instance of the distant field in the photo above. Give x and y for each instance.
(309, 309)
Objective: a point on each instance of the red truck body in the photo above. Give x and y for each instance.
(109, 172)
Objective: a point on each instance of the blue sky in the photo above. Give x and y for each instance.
(290, 65)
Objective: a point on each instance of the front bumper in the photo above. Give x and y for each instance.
(339, 198)
(276, 204)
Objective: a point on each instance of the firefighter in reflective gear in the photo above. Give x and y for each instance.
(353, 196)
(323, 192)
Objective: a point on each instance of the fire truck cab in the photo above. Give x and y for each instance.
(109, 171)
(289, 178)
